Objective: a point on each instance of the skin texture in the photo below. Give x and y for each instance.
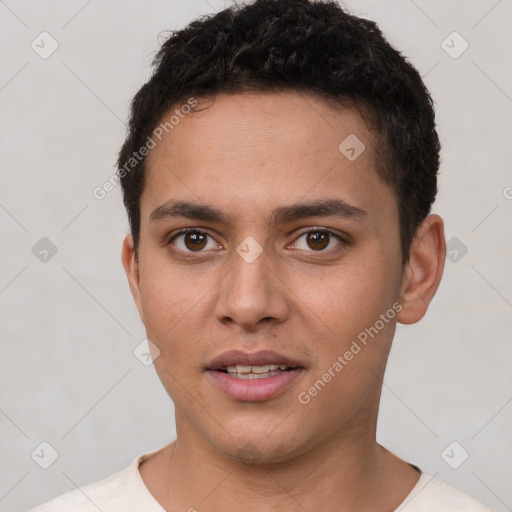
(246, 155)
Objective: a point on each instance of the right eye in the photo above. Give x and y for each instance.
(192, 240)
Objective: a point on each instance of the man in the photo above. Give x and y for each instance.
(278, 175)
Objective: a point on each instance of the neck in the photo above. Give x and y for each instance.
(340, 475)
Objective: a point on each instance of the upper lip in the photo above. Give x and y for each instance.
(261, 358)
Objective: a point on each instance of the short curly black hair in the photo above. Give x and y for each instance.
(296, 45)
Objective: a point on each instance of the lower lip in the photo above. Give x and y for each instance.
(255, 390)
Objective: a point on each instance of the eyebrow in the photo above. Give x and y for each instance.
(318, 208)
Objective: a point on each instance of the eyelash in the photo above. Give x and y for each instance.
(342, 241)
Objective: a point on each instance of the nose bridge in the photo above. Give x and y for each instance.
(249, 277)
(250, 291)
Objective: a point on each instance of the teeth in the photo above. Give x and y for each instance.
(255, 375)
(240, 369)
(260, 369)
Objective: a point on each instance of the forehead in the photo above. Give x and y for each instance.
(261, 148)
(279, 120)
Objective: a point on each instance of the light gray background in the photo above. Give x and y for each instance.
(68, 375)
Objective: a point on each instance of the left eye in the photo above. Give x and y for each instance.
(319, 239)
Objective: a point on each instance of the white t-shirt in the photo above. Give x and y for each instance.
(125, 491)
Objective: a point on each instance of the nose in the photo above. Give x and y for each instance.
(252, 294)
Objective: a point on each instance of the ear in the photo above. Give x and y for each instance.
(422, 273)
(131, 267)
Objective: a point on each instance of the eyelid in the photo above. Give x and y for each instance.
(310, 229)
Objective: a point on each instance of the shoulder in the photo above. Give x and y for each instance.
(430, 494)
(123, 490)
(89, 497)
(83, 499)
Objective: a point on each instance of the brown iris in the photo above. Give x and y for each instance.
(318, 240)
(195, 240)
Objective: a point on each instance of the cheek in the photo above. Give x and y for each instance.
(171, 306)
(348, 371)
(349, 299)
(355, 320)
(168, 294)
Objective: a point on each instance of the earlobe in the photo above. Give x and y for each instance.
(423, 271)
(131, 267)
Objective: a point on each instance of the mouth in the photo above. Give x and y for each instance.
(254, 377)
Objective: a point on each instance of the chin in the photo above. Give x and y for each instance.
(260, 448)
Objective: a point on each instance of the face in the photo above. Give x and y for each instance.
(290, 268)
